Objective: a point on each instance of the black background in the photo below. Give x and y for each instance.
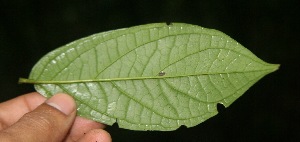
(269, 110)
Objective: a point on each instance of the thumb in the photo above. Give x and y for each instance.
(50, 121)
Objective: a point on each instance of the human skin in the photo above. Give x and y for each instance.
(33, 118)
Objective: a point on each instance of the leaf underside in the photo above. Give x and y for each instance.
(150, 77)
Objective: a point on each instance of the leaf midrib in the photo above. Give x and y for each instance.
(31, 81)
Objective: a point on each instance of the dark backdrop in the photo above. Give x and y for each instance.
(269, 110)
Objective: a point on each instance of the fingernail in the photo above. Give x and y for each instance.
(63, 103)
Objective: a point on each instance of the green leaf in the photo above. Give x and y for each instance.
(150, 77)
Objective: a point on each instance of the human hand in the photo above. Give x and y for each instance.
(32, 118)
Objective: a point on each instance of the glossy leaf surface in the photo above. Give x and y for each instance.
(150, 77)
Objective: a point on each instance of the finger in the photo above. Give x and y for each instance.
(11, 111)
(81, 126)
(48, 122)
(96, 135)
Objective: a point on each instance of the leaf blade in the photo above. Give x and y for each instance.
(115, 76)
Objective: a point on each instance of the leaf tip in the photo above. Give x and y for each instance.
(275, 67)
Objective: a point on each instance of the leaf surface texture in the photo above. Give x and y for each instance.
(150, 77)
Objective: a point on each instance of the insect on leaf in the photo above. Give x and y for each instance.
(150, 77)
